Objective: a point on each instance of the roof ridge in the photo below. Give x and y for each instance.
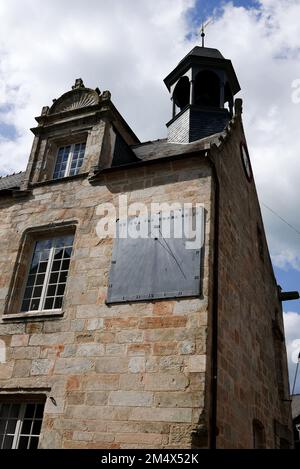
(12, 174)
(148, 142)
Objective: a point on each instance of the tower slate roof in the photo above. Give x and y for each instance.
(204, 52)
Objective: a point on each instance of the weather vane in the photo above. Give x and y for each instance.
(203, 27)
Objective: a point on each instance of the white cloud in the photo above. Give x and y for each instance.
(124, 46)
(128, 47)
(292, 334)
(264, 45)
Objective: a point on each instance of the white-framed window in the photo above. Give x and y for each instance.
(20, 424)
(48, 274)
(69, 160)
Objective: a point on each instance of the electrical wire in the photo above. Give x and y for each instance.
(281, 218)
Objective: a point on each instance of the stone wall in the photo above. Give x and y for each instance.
(121, 376)
(249, 310)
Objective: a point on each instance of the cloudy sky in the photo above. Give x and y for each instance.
(128, 47)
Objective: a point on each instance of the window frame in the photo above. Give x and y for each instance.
(67, 171)
(41, 308)
(17, 433)
(21, 269)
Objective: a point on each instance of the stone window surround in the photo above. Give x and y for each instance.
(22, 265)
(52, 146)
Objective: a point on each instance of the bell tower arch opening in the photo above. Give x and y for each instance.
(181, 94)
(207, 89)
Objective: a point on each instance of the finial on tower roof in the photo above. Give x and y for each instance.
(203, 31)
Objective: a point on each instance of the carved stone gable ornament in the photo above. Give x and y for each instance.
(77, 98)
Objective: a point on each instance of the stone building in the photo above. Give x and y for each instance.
(123, 342)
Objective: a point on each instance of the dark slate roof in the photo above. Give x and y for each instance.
(206, 52)
(208, 56)
(12, 181)
(295, 405)
(157, 149)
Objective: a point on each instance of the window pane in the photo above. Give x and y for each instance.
(58, 302)
(26, 427)
(23, 442)
(39, 411)
(51, 290)
(49, 303)
(42, 267)
(14, 410)
(63, 277)
(44, 245)
(4, 410)
(56, 266)
(11, 426)
(34, 441)
(67, 253)
(25, 305)
(31, 280)
(65, 265)
(34, 305)
(61, 289)
(28, 292)
(58, 254)
(30, 408)
(2, 426)
(64, 241)
(36, 427)
(8, 441)
(40, 279)
(45, 255)
(33, 268)
(54, 278)
(37, 292)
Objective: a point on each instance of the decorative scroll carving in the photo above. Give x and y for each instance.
(78, 97)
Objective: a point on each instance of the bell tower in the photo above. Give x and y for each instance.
(202, 87)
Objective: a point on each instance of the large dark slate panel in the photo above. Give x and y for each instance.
(153, 268)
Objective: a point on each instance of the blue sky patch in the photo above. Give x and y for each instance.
(205, 8)
(7, 131)
(289, 280)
